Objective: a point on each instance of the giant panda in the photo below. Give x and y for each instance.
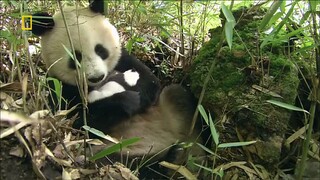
(124, 98)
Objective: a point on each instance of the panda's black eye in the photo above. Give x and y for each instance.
(72, 63)
(101, 51)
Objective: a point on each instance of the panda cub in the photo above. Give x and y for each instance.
(124, 97)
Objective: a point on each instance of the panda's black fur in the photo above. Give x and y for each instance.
(135, 108)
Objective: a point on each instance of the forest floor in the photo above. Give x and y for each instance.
(11, 166)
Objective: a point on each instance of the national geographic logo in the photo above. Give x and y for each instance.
(26, 23)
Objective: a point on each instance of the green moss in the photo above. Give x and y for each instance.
(289, 84)
(226, 74)
(279, 65)
(241, 88)
(230, 87)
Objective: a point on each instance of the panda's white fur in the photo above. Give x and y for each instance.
(107, 90)
(81, 23)
(159, 120)
(131, 77)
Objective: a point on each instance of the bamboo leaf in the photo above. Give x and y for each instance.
(57, 85)
(114, 148)
(266, 19)
(213, 130)
(219, 172)
(100, 134)
(230, 23)
(94, 131)
(57, 88)
(227, 13)
(275, 17)
(313, 5)
(206, 149)
(229, 32)
(203, 114)
(286, 18)
(71, 55)
(235, 144)
(305, 17)
(283, 7)
(287, 106)
(209, 121)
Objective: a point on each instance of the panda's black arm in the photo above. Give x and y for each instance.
(103, 112)
(116, 107)
(148, 84)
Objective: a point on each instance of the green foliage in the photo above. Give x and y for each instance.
(280, 25)
(219, 172)
(215, 136)
(114, 148)
(72, 56)
(95, 131)
(209, 121)
(57, 87)
(144, 19)
(286, 106)
(144, 23)
(11, 38)
(229, 25)
(270, 17)
(235, 144)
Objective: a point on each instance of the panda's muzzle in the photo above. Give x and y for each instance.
(95, 80)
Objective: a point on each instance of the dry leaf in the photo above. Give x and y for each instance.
(180, 169)
(66, 175)
(13, 117)
(117, 171)
(17, 151)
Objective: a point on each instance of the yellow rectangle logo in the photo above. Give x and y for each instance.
(26, 23)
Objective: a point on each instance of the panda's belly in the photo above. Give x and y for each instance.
(158, 130)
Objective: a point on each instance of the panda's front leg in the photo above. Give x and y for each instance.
(106, 108)
(106, 91)
(119, 105)
(116, 98)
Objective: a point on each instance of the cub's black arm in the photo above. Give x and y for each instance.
(148, 84)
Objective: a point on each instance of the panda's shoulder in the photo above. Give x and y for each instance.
(125, 56)
(128, 61)
(125, 62)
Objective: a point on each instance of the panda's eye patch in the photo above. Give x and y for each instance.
(72, 63)
(101, 51)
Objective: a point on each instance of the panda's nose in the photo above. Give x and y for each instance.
(96, 79)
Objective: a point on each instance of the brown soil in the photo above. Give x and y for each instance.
(13, 167)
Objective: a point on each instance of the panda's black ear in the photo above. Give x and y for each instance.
(41, 23)
(97, 6)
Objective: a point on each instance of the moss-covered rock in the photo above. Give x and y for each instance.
(244, 78)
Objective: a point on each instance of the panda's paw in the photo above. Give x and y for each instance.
(109, 89)
(112, 87)
(94, 96)
(131, 77)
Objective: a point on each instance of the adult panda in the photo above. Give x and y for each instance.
(122, 105)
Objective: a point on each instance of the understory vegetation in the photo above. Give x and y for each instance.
(254, 67)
